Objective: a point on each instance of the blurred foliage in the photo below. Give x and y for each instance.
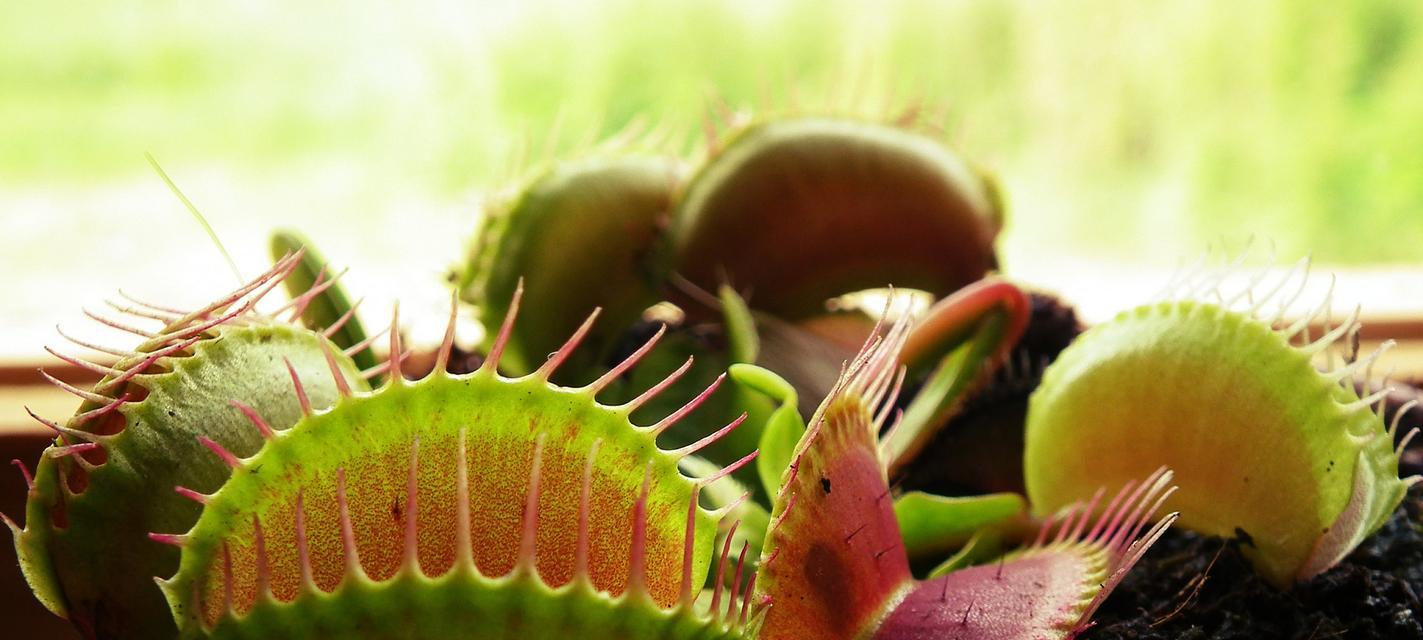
(1133, 129)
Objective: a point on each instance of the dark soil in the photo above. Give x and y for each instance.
(1190, 587)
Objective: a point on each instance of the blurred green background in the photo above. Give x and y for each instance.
(1125, 132)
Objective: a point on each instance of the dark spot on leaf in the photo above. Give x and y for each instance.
(395, 509)
(825, 485)
(825, 571)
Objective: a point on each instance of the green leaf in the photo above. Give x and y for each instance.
(328, 307)
(933, 524)
(440, 438)
(741, 334)
(578, 236)
(783, 429)
(987, 544)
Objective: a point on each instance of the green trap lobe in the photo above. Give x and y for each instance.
(803, 210)
(833, 558)
(370, 441)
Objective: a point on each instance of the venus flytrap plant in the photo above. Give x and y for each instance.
(865, 203)
(622, 232)
(1269, 437)
(488, 506)
(491, 507)
(580, 235)
(957, 343)
(962, 340)
(108, 478)
(834, 563)
(476, 505)
(931, 525)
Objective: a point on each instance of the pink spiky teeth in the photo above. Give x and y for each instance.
(1043, 586)
(232, 561)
